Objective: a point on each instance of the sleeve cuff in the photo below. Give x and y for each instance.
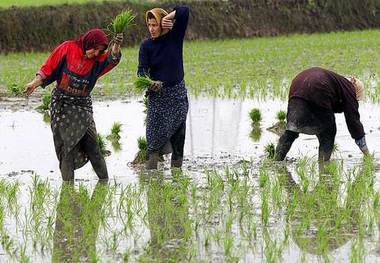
(361, 143)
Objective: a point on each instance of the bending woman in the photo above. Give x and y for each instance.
(315, 95)
(160, 58)
(76, 65)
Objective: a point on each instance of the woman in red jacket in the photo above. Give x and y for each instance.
(76, 65)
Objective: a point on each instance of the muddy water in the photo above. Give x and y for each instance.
(218, 134)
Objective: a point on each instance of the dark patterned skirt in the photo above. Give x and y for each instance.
(71, 119)
(167, 112)
(305, 117)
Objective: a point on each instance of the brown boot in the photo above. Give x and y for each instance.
(151, 163)
(177, 163)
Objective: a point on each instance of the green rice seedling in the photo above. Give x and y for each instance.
(269, 150)
(255, 133)
(255, 116)
(102, 144)
(45, 103)
(122, 22)
(142, 83)
(281, 115)
(116, 129)
(15, 89)
(142, 153)
(46, 117)
(115, 132)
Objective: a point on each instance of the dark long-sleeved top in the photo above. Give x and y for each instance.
(331, 91)
(161, 58)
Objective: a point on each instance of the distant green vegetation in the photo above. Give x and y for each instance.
(256, 67)
(8, 3)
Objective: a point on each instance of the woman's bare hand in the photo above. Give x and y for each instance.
(167, 23)
(31, 86)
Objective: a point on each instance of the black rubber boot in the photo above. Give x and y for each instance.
(284, 144)
(326, 143)
(176, 163)
(67, 168)
(151, 163)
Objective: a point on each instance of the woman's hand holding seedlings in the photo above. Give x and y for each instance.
(117, 40)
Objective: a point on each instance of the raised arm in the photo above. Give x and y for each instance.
(110, 59)
(180, 16)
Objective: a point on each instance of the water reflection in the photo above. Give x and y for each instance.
(213, 126)
(168, 218)
(255, 133)
(77, 223)
(321, 220)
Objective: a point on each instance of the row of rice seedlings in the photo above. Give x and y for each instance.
(266, 74)
(42, 212)
(225, 215)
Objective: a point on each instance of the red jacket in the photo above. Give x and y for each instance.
(74, 73)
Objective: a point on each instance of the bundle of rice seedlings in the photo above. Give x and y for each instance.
(255, 116)
(270, 150)
(142, 154)
(15, 89)
(45, 103)
(115, 132)
(142, 83)
(281, 115)
(102, 145)
(122, 22)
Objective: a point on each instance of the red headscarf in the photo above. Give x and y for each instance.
(92, 39)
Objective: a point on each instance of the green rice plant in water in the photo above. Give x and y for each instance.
(255, 116)
(142, 83)
(114, 137)
(115, 131)
(122, 22)
(281, 116)
(269, 150)
(100, 141)
(45, 103)
(142, 153)
(15, 90)
(255, 133)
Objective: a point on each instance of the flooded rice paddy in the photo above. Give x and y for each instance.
(229, 204)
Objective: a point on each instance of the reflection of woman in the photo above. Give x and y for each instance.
(319, 211)
(76, 65)
(168, 220)
(160, 58)
(77, 223)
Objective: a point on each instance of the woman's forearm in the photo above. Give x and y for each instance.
(171, 15)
